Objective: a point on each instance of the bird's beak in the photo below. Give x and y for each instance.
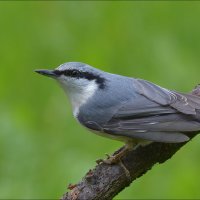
(45, 72)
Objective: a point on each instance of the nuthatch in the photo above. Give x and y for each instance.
(127, 109)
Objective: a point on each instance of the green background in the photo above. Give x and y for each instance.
(42, 148)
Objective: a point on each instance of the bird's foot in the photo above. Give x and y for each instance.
(116, 158)
(110, 159)
(126, 171)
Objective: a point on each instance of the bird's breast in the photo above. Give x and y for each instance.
(79, 97)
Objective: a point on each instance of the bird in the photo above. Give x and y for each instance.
(131, 110)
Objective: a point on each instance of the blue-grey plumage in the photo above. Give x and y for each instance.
(125, 108)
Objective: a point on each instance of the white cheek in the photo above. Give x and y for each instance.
(79, 91)
(80, 97)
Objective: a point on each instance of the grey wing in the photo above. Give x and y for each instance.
(157, 114)
(184, 103)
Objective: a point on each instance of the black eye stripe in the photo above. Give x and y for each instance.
(72, 73)
(57, 72)
(86, 75)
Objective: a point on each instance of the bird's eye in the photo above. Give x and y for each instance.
(74, 73)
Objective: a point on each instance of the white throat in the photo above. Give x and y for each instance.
(79, 95)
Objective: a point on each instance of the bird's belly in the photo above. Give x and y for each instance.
(119, 138)
(124, 139)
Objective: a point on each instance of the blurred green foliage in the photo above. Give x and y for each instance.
(42, 148)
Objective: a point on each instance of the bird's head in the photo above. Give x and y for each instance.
(75, 75)
(79, 80)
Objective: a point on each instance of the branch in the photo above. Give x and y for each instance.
(106, 181)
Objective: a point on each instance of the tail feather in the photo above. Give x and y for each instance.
(196, 90)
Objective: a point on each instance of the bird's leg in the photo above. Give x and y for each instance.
(127, 173)
(115, 158)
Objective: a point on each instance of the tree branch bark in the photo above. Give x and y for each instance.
(106, 181)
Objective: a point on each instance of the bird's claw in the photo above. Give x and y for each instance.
(110, 160)
(113, 160)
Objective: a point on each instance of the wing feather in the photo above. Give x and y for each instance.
(154, 114)
(185, 103)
